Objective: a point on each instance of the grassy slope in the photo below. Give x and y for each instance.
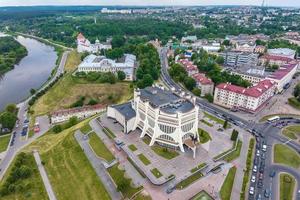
(69, 171)
(287, 156)
(4, 140)
(286, 188)
(67, 91)
(36, 191)
(99, 147)
(228, 184)
(292, 132)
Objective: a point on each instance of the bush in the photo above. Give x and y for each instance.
(57, 128)
(234, 135)
(196, 91)
(209, 98)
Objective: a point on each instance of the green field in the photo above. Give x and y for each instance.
(164, 152)
(294, 103)
(287, 186)
(292, 132)
(226, 188)
(200, 166)
(287, 156)
(123, 183)
(202, 196)
(99, 147)
(203, 135)
(144, 159)
(156, 173)
(86, 128)
(29, 188)
(216, 119)
(4, 140)
(70, 172)
(189, 180)
(132, 147)
(206, 122)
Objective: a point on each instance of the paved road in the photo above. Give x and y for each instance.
(269, 134)
(20, 142)
(44, 176)
(98, 166)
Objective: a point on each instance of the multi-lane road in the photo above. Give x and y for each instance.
(266, 134)
(19, 140)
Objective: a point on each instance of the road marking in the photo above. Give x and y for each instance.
(287, 141)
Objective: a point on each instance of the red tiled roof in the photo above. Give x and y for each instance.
(80, 37)
(201, 78)
(255, 91)
(78, 109)
(282, 71)
(273, 57)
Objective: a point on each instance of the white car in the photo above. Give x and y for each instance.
(253, 179)
(254, 168)
(264, 148)
(251, 190)
(257, 153)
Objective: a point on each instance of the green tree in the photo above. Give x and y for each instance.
(189, 83)
(297, 90)
(121, 75)
(32, 91)
(8, 120)
(225, 124)
(234, 135)
(118, 41)
(57, 128)
(12, 108)
(196, 91)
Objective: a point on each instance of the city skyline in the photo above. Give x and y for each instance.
(286, 3)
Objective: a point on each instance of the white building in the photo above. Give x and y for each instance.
(116, 11)
(167, 118)
(80, 112)
(283, 76)
(247, 99)
(93, 63)
(236, 58)
(282, 52)
(84, 45)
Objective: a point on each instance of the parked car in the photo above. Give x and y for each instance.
(257, 153)
(253, 178)
(26, 121)
(267, 193)
(259, 197)
(264, 148)
(263, 156)
(260, 184)
(251, 190)
(261, 176)
(255, 168)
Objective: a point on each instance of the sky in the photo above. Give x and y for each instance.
(295, 3)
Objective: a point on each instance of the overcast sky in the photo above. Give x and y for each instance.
(148, 2)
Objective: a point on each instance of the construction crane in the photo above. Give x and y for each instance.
(264, 3)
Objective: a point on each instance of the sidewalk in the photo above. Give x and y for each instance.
(44, 176)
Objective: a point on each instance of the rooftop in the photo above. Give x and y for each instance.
(201, 78)
(282, 71)
(255, 91)
(166, 100)
(274, 57)
(126, 110)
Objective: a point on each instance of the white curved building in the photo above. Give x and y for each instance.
(168, 119)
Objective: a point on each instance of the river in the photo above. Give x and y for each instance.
(32, 72)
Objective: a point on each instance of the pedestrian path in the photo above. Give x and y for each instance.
(44, 176)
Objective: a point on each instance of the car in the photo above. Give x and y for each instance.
(267, 193)
(272, 173)
(253, 178)
(258, 197)
(263, 156)
(257, 153)
(256, 161)
(261, 176)
(260, 184)
(264, 148)
(170, 190)
(255, 168)
(26, 121)
(251, 190)
(119, 143)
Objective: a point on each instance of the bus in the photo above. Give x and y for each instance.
(273, 119)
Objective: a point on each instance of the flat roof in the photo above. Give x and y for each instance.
(126, 110)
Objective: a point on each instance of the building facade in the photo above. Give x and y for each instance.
(204, 84)
(282, 52)
(167, 118)
(247, 99)
(93, 63)
(84, 45)
(235, 58)
(80, 112)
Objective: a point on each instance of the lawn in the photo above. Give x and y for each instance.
(86, 128)
(123, 183)
(202, 196)
(226, 188)
(99, 147)
(206, 122)
(4, 140)
(294, 103)
(146, 140)
(70, 172)
(144, 159)
(235, 154)
(34, 189)
(73, 61)
(164, 152)
(203, 135)
(189, 180)
(156, 172)
(287, 186)
(202, 165)
(132, 147)
(292, 132)
(109, 133)
(216, 119)
(287, 156)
